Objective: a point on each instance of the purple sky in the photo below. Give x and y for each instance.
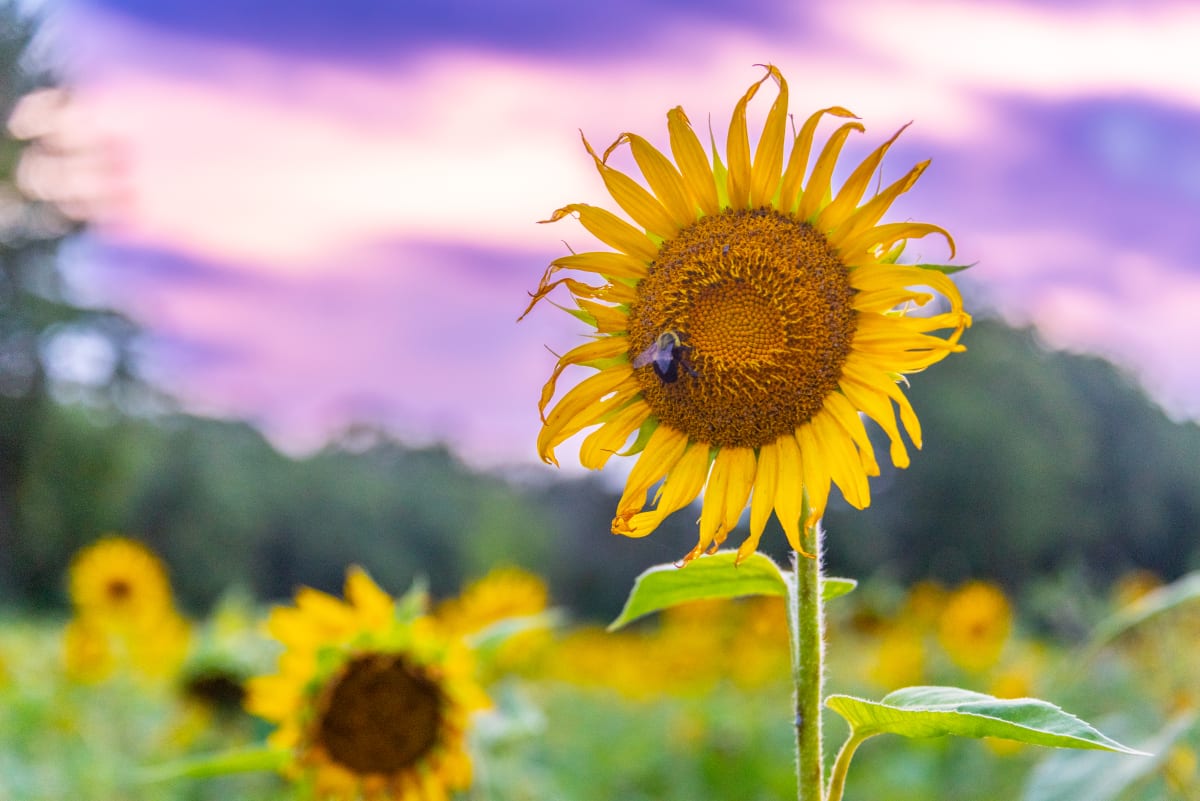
(325, 212)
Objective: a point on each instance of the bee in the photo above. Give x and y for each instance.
(666, 354)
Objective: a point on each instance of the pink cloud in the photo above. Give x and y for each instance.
(294, 171)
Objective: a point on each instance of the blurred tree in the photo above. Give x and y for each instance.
(1034, 461)
(49, 344)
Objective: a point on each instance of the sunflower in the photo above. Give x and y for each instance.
(372, 702)
(120, 583)
(504, 594)
(747, 320)
(975, 625)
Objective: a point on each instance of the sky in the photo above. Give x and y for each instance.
(324, 213)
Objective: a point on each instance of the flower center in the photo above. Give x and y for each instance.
(118, 591)
(762, 311)
(381, 715)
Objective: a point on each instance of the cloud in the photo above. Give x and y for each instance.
(352, 237)
(432, 351)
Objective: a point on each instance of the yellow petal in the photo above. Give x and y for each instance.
(680, 488)
(578, 290)
(860, 249)
(608, 319)
(843, 411)
(845, 468)
(816, 473)
(662, 451)
(872, 376)
(878, 407)
(638, 203)
(725, 497)
(789, 490)
(793, 175)
(663, 178)
(852, 191)
(768, 157)
(737, 150)
(763, 501)
(373, 604)
(602, 443)
(604, 262)
(603, 348)
(693, 163)
(611, 230)
(866, 216)
(579, 404)
(817, 189)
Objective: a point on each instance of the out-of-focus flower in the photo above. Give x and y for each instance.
(974, 625)
(1133, 586)
(125, 617)
(899, 657)
(369, 700)
(118, 582)
(743, 323)
(694, 647)
(87, 652)
(505, 593)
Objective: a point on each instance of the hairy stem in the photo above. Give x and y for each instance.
(806, 623)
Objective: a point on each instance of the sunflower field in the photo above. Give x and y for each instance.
(188, 613)
(129, 699)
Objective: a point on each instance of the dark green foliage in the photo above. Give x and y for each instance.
(1033, 462)
(36, 310)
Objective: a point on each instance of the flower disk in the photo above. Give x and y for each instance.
(765, 311)
(370, 703)
(749, 320)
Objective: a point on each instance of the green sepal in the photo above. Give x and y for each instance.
(945, 269)
(1074, 775)
(720, 172)
(892, 255)
(708, 577)
(414, 602)
(938, 711)
(643, 436)
(587, 317)
(241, 760)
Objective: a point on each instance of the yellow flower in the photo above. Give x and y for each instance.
(120, 583)
(370, 704)
(900, 657)
(505, 593)
(125, 616)
(1181, 769)
(747, 318)
(158, 649)
(87, 651)
(975, 625)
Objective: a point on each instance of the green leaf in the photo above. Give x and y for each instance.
(1154, 603)
(836, 587)
(937, 711)
(1072, 775)
(946, 269)
(495, 634)
(714, 576)
(242, 760)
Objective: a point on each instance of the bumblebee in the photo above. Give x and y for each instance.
(666, 355)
